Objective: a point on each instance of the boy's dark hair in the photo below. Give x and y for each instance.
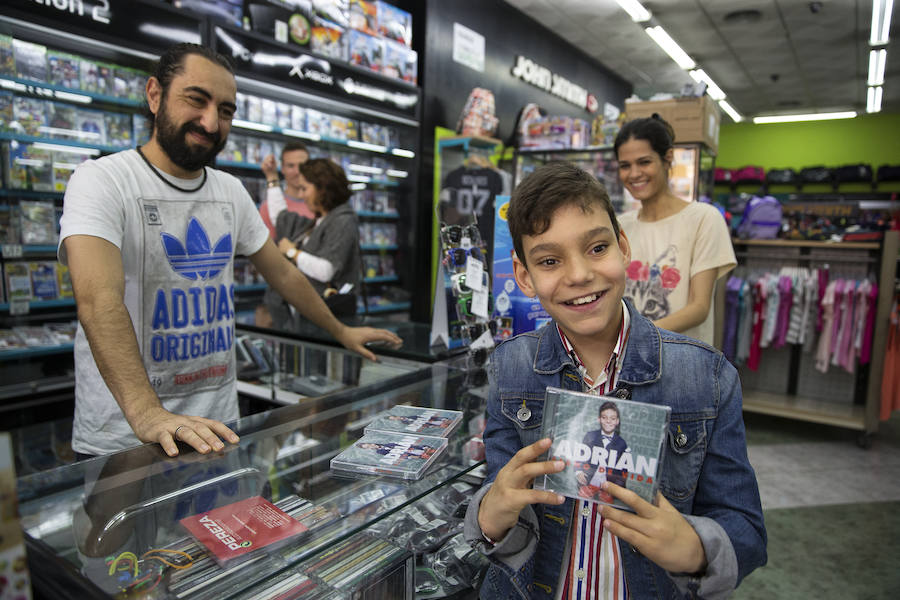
(329, 179)
(171, 63)
(607, 406)
(653, 130)
(549, 187)
(293, 147)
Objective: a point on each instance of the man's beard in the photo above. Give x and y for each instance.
(172, 141)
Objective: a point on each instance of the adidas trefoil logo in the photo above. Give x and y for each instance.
(196, 259)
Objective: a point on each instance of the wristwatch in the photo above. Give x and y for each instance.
(292, 253)
(272, 183)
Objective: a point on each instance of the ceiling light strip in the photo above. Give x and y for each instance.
(881, 22)
(877, 60)
(805, 117)
(714, 91)
(873, 99)
(665, 41)
(635, 10)
(731, 112)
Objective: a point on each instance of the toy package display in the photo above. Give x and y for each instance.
(6, 111)
(38, 222)
(514, 312)
(44, 284)
(7, 56)
(327, 39)
(364, 50)
(363, 16)
(96, 78)
(29, 115)
(31, 60)
(394, 24)
(29, 168)
(63, 69)
(335, 11)
(400, 62)
(118, 130)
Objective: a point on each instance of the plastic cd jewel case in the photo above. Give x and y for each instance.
(392, 454)
(416, 420)
(602, 438)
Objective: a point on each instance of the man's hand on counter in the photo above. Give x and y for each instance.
(160, 426)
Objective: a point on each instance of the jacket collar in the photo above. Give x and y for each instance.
(642, 354)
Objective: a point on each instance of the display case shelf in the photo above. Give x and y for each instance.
(49, 91)
(31, 139)
(18, 353)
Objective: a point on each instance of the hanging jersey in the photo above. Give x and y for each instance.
(466, 192)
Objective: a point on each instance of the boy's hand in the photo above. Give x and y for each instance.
(658, 532)
(511, 491)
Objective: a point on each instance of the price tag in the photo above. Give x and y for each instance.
(479, 303)
(474, 273)
(12, 250)
(19, 306)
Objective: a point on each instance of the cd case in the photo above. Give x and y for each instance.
(234, 530)
(602, 438)
(417, 420)
(392, 454)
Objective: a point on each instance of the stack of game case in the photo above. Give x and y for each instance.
(402, 443)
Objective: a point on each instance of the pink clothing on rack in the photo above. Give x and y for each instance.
(786, 299)
(823, 283)
(835, 344)
(890, 379)
(823, 349)
(759, 311)
(865, 351)
(860, 310)
(845, 335)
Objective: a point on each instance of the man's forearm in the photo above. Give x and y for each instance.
(110, 333)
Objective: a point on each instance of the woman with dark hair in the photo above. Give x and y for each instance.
(325, 248)
(678, 249)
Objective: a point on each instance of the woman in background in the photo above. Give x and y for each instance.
(325, 248)
(678, 249)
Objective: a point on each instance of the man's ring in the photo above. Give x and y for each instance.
(175, 434)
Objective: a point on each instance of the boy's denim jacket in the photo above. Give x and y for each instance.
(705, 471)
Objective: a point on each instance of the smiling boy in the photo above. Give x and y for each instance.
(705, 531)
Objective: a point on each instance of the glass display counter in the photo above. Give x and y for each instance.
(112, 526)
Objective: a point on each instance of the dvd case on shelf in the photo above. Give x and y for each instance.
(416, 420)
(391, 454)
(602, 438)
(44, 283)
(18, 281)
(31, 60)
(7, 57)
(38, 222)
(63, 69)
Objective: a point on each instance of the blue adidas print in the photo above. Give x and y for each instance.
(195, 259)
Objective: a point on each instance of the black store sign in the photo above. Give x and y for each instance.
(258, 57)
(141, 25)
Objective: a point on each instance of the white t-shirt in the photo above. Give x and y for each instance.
(177, 254)
(665, 254)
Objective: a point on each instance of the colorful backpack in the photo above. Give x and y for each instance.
(859, 173)
(761, 219)
(782, 176)
(748, 174)
(816, 175)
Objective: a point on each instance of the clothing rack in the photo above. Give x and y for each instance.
(878, 258)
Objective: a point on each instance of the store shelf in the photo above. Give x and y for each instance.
(17, 353)
(27, 250)
(467, 141)
(809, 244)
(31, 139)
(29, 195)
(547, 150)
(29, 86)
(370, 214)
(384, 308)
(376, 247)
(38, 304)
(851, 416)
(381, 279)
(250, 287)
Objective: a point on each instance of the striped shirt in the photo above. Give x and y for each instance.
(593, 559)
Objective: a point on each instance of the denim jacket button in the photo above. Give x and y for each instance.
(681, 440)
(579, 573)
(586, 511)
(523, 414)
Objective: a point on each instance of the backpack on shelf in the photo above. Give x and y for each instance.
(889, 173)
(748, 174)
(860, 173)
(761, 219)
(721, 175)
(816, 174)
(782, 176)
(478, 117)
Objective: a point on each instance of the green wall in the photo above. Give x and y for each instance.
(872, 139)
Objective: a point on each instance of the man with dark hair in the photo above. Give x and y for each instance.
(149, 236)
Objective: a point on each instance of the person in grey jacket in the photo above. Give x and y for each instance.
(326, 248)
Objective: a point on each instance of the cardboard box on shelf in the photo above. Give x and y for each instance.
(693, 119)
